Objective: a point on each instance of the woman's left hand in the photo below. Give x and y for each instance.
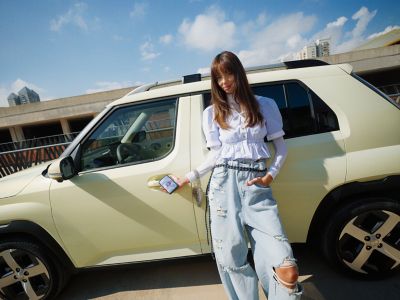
(263, 181)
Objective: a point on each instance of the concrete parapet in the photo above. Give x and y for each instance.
(368, 60)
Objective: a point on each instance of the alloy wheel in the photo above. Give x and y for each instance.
(370, 242)
(23, 275)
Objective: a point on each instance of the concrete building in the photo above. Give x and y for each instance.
(384, 40)
(24, 96)
(308, 52)
(377, 61)
(323, 47)
(54, 117)
(316, 49)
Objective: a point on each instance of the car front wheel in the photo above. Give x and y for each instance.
(26, 272)
(364, 237)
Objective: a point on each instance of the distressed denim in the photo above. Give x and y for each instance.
(238, 211)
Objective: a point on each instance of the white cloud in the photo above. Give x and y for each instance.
(267, 44)
(387, 29)
(338, 23)
(253, 25)
(139, 10)
(333, 31)
(363, 17)
(166, 39)
(19, 84)
(102, 86)
(16, 86)
(205, 70)
(73, 16)
(209, 31)
(294, 41)
(356, 37)
(147, 51)
(270, 40)
(4, 92)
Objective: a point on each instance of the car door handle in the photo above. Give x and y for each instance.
(153, 183)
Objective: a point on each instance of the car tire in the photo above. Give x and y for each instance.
(28, 272)
(363, 237)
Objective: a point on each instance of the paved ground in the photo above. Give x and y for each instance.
(197, 278)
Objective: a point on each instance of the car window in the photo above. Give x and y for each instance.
(299, 110)
(131, 134)
(303, 112)
(324, 116)
(277, 93)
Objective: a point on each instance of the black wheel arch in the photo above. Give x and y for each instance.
(388, 187)
(34, 232)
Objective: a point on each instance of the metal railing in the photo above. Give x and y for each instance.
(17, 156)
(38, 142)
(17, 160)
(392, 90)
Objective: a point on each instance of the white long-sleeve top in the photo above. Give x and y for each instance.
(240, 141)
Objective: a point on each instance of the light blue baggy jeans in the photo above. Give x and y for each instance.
(237, 211)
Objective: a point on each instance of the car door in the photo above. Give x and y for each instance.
(112, 211)
(316, 161)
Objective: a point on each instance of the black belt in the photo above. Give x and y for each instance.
(239, 168)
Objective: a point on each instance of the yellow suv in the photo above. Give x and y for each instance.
(99, 203)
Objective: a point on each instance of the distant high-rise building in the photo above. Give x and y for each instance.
(309, 51)
(24, 96)
(316, 49)
(13, 99)
(323, 47)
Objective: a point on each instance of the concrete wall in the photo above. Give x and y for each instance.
(60, 110)
(369, 60)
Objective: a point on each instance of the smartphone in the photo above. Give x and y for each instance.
(168, 184)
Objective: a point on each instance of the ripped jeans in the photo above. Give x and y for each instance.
(237, 211)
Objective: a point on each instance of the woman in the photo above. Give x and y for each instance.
(240, 197)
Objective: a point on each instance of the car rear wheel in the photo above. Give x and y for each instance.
(364, 237)
(26, 272)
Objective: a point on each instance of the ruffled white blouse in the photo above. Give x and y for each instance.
(240, 141)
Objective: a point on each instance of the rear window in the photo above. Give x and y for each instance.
(376, 90)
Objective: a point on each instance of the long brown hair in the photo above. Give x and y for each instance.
(228, 63)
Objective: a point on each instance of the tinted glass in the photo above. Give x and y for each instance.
(300, 113)
(273, 91)
(131, 134)
(325, 117)
(303, 112)
(277, 93)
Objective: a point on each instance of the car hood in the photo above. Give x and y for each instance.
(13, 184)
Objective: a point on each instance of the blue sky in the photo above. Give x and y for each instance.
(63, 48)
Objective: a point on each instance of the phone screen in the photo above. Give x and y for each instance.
(168, 184)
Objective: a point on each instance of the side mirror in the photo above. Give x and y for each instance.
(62, 169)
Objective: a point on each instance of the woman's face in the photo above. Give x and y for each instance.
(226, 82)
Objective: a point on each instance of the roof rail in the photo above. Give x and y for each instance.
(293, 64)
(142, 88)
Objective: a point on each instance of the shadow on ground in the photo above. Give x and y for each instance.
(197, 278)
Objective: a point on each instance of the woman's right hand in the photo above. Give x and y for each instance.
(180, 182)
